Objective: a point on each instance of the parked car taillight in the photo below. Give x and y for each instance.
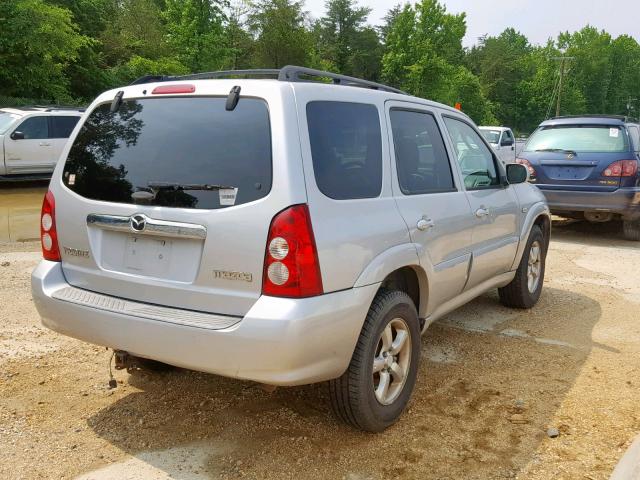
(291, 267)
(48, 233)
(621, 168)
(526, 163)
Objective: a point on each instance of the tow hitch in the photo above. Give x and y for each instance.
(122, 360)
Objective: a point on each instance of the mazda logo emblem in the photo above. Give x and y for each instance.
(138, 222)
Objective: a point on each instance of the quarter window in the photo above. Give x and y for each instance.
(475, 159)
(346, 146)
(34, 128)
(421, 157)
(634, 133)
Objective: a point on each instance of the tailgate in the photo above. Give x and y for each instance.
(168, 200)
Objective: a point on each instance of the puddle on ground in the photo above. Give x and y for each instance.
(20, 212)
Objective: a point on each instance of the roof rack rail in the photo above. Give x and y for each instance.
(623, 118)
(51, 108)
(289, 73)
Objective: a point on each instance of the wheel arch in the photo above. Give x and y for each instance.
(540, 215)
(398, 268)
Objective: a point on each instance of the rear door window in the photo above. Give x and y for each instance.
(346, 146)
(34, 128)
(173, 152)
(421, 157)
(62, 126)
(475, 158)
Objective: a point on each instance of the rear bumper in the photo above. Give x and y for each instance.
(279, 341)
(624, 201)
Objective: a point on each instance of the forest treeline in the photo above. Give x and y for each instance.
(67, 51)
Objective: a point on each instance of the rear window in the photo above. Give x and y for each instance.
(346, 146)
(491, 136)
(588, 138)
(173, 152)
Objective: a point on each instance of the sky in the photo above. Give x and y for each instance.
(537, 19)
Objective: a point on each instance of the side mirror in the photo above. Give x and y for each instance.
(17, 135)
(506, 143)
(516, 173)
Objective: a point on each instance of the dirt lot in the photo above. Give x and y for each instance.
(491, 383)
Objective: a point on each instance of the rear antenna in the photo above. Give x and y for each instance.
(117, 101)
(232, 99)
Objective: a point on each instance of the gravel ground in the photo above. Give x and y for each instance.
(491, 383)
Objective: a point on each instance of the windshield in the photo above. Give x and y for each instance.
(576, 138)
(186, 152)
(6, 120)
(491, 136)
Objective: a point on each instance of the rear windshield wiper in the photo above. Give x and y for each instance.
(186, 186)
(563, 150)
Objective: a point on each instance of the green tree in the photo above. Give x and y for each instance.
(281, 33)
(501, 63)
(37, 42)
(239, 42)
(623, 96)
(537, 93)
(195, 33)
(591, 67)
(136, 29)
(346, 42)
(424, 56)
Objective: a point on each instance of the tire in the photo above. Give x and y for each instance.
(518, 293)
(352, 395)
(631, 230)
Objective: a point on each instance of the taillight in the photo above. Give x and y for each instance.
(526, 163)
(291, 267)
(621, 168)
(48, 233)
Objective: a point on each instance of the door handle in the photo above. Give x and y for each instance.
(45, 144)
(425, 224)
(482, 212)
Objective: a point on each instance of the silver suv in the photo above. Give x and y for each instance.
(282, 230)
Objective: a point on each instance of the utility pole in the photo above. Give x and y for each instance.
(563, 61)
(630, 102)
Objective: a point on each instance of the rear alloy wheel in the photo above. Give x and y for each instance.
(373, 392)
(526, 287)
(631, 230)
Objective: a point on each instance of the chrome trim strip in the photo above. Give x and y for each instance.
(152, 226)
(121, 306)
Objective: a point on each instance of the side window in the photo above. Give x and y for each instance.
(475, 159)
(346, 146)
(634, 132)
(507, 139)
(61, 127)
(421, 157)
(34, 128)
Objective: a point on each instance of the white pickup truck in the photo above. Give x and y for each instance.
(32, 138)
(503, 142)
